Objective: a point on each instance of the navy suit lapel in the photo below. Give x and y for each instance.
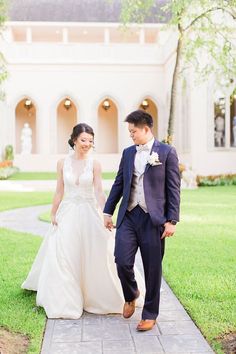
(155, 148)
(131, 161)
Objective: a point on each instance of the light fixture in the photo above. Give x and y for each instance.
(67, 103)
(106, 104)
(145, 104)
(28, 104)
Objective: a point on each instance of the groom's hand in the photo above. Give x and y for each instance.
(108, 222)
(169, 230)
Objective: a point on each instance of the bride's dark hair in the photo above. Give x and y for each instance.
(77, 130)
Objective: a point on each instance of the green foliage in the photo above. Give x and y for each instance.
(9, 154)
(3, 69)
(135, 10)
(206, 39)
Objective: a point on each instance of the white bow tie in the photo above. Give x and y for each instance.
(140, 148)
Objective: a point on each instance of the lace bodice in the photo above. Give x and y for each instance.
(78, 188)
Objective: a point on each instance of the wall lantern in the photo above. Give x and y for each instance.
(106, 104)
(67, 103)
(145, 104)
(28, 104)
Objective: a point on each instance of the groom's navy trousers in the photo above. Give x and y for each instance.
(137, 230)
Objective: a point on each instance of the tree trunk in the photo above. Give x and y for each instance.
(173, 100)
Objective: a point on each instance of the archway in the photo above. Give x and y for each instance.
(25, 112)
(66, 120)
(150, 107)
(107, 139)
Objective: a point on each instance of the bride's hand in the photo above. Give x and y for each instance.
(53, 220)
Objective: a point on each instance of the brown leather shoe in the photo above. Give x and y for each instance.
(129, 307)
(146, 325)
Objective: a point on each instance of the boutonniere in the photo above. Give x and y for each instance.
(153, 159)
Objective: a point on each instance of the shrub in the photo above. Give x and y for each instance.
(217, 180)
(6, 163)
(9, 154)
(6, 172)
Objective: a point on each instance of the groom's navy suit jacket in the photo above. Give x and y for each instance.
(161, 185)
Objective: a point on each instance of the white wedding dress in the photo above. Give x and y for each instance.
(74, 268)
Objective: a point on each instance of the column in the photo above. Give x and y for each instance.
(65, 35)
(142, 36)
(28, 35)
(106, 36)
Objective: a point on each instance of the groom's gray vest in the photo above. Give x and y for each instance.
(137, 192)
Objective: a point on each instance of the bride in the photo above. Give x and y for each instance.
(74, 269)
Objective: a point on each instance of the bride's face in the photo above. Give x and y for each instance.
(84, 142)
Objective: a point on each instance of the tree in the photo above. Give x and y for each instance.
(3, 70)
(206, 39)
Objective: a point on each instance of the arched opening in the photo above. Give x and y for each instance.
(107, 139)
(150, 107)
(233, 119)
(25, 127)
(66, 120)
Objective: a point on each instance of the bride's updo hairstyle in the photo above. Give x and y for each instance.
(77, 130)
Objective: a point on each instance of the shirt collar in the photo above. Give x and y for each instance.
(150, 143)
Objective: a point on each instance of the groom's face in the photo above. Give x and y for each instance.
(139, 134)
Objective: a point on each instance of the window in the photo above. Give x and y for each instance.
(224, 121)
(233, 119)
(219, 122)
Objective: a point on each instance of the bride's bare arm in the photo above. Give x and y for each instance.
(97, 180)
(59, 191)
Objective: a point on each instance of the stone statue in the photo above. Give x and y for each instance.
(26, 139)
(219, 131)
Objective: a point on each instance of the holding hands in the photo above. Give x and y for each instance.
(108, 223)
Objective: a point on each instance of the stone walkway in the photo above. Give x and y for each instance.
(175, 332)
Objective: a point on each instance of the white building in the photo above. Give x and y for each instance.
(68, 59)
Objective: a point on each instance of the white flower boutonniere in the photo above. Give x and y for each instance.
(153, 159)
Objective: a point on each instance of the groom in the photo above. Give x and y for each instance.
(148, 181)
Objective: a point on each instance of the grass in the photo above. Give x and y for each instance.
(17, 311)
(20, 176)
(199, 264)
(12, 200)
(45, 216)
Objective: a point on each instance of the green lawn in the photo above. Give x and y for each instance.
(199, 264)
(12, 200)
(17, 311)
(20, 176)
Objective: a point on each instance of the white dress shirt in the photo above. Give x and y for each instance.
(141, 157)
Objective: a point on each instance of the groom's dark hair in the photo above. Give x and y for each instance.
(140, 118)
